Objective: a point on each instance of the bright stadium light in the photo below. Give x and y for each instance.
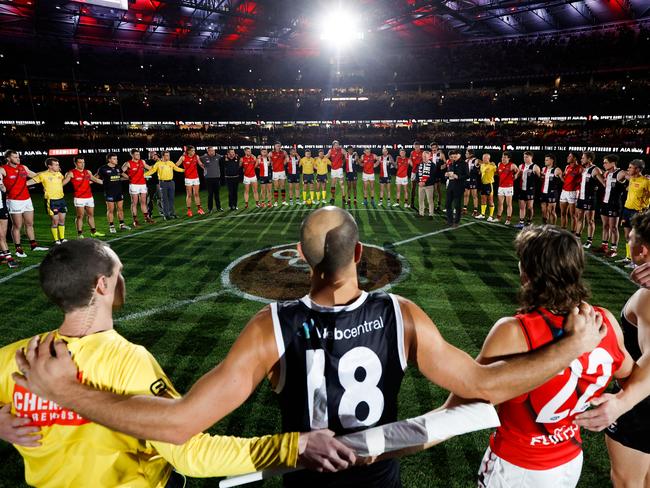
(341, 28)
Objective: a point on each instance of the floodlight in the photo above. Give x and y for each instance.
(341, 28)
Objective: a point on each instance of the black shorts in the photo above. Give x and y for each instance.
(308, 178)
(384, 180)
(352, 176)
(487, 188)
(610, 209)
(626, 217)
(321, 178)
(293, 178)
(632, 429)
(526, 195)
(265, 180)
(114, 197)
(4, 213)
(471, 185)
(548, 197)
(56, 206)
(586, 205)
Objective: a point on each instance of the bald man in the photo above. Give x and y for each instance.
(336, 357)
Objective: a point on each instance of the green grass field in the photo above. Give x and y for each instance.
(464, 279)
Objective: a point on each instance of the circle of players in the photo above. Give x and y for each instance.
(270, 174)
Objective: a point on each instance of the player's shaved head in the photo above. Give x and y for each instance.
(328, 237)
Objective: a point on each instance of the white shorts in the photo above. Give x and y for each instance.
(336, 173)
(569, 197)
(192, 182)
(20, 206)
(506, 191)
(414, 175)
(498, 473)
(137, 189)
(402, 181)
(367, 177)
(84, 202)
(279, 175)
(249, 180)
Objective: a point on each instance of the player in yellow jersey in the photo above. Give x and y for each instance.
(638, 199)
(165, 170)
(307, 166)
(321, 163)
(83, 278)
(488, 169)
(53, 181)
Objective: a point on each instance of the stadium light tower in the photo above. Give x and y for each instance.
(340, 28)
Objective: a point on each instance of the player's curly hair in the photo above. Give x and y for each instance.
(641, 226)
(553, 263)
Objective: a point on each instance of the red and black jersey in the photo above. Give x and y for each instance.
(16, 182)
(336, 157)
(278, 158)
(190, 165)
(248, 164)
(81, 183)
(402, 167)
(572, 177)
(135, 172)
(506, 175)
(368, 162)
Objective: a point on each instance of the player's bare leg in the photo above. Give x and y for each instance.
(144, 208)
(579, 222)
(197, 199)
(500, 199)
(564, 214)
(629, 468)
(110, 212)
(188, 199)
(80, 213)
(475, 202)
(509, 209)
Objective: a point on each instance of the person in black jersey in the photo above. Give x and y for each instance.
(528, 175)
(625, 413)
(336, 357)
(456, 175)
(586, 206)
(112, 177)
(551, 184)
(440, 161)
(471, 184)
(610, 209)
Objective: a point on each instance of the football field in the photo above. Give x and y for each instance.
(193, 283)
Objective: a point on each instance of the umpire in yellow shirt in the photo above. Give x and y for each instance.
(83, 278)
(165, 172)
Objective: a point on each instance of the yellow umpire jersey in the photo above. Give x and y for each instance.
(638, 193)
(75, 452)
(321, 165)
(165, 170)
(307, 165)
(52, 184)
(487, 173)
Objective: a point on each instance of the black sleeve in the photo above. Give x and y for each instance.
(461, 170)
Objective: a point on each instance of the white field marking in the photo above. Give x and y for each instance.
(171, 306)
(227, 284)
(435, 232)
(261, 212)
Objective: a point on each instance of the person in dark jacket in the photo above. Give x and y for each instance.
(456, 176)
(212, 162)
(426, 179)
(231, 170)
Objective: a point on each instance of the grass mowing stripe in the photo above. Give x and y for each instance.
(170, 306)
(436, 232)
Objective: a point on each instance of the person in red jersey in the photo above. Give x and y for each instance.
(264, 167)
(279, 159)
(293, 176)
(19, 203)
(84, 203)
(248, 164)
(191, 162)
(134, 169)
(538, 444)
(508, 172)
(416, 159)
(336, 156)
(5, 254)
(569, 195)
(401, 179)
(369, 162)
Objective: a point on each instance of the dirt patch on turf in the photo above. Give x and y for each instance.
(280, 274)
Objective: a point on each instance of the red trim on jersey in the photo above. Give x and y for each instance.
(572, 178)
(190, 165)
(81, 183)
(545, 444)
(16, 182)
(336, 157)
(135, 172)
(264, 167)
(248, 163)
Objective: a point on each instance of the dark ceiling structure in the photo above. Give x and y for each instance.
(260, 25)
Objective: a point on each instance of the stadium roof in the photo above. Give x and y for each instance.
(231, 25)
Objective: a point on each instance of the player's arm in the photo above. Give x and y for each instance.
(454, 370)
(180, 160)
(212, 397)
(125, 167)
(559, 174)
(67, 178)
(537, 171)
(30, 173)
(33, 180)
(637, 385)
(93, 178)
(599, 176)
(146, 165)
(152, 169)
